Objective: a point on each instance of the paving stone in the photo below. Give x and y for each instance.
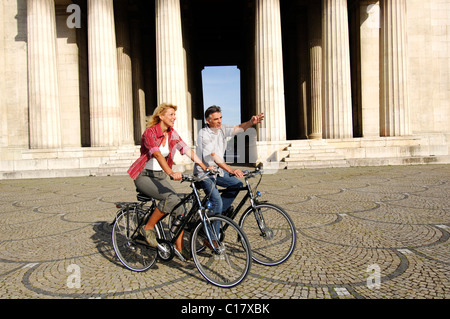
(350, 221)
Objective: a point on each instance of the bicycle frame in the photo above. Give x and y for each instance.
(253, 198)
(198, 208)
(249, 196)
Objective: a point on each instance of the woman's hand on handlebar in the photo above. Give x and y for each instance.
(176, 176)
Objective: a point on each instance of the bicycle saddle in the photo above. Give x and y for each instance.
(143, 198)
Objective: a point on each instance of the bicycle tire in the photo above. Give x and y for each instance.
(130, 247)
(231, 263)
(275, 242)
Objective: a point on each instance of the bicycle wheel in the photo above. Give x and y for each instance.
(131, 247)
(230, 263)
(271, 233)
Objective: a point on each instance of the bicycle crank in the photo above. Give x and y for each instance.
(165, 250)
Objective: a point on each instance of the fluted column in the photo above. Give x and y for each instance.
(269, 71)
(337, 110)
(44, 109)
(395, 112)
(3, 108)
(138, 81)
(170, 62)
(315, 52)
(124, 72)
(370, 67)
(105, 112)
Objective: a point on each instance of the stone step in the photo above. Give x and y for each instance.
(310, 164)
(416, 160)
(313, 156)
(118, 163)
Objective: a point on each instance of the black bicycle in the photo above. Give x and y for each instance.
(224, 261)
(269, 229)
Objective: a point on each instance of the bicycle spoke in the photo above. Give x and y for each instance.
(131, 249)
(229, 263)
(271, 234)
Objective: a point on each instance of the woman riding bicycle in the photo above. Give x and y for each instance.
(158, 146)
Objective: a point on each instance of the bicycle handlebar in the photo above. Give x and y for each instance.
(257, 171)
(192, 178)
(248, 174)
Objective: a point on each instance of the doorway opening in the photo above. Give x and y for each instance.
(221, 87)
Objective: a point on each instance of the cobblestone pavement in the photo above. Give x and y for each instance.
(355, 226)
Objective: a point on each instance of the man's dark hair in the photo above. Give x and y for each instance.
(212, 109)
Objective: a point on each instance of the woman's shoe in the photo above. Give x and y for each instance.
(150, 236)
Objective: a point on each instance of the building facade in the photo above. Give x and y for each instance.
(341, 82)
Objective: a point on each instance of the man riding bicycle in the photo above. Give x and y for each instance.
(211, 146)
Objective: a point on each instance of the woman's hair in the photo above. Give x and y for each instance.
(160, 109)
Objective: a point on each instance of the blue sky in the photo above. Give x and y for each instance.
(221, 87)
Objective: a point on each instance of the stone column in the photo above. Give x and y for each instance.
(103, 76)
(138, 81)
(394, 112)
(370, 67)
(3, 105)
(315, 52)
(269, 71)
(44, 112)
(68, 79)
(124, 72)
(337, 99)
(170, 62)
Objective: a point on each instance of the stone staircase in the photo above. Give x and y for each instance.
(378, 151)
(73, 162)
(301, 154)
(313, 154)
(101, 161)
(118, 163)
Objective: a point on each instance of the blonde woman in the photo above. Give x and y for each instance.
(158, 146)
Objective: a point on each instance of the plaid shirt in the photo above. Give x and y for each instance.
(150, 143)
